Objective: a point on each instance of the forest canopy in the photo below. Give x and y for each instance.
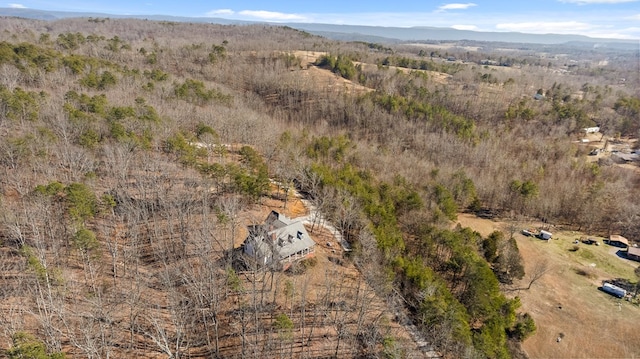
(136, 152)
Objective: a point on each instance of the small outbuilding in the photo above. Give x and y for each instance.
(595, 129)
(633, 253)
(621, 157)
(617, 241)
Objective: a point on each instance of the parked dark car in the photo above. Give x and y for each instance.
(527, 233)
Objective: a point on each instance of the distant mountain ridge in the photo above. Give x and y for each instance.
(355, 32)
(424, 33)
(58, 15)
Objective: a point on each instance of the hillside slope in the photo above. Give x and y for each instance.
(135, 154)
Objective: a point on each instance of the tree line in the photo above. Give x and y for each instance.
(133, 149)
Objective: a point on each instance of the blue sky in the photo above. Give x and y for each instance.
(597, 18)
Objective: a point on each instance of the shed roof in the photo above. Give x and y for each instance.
(634, 251)
(618, 238)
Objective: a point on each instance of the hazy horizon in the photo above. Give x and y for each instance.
(613, 19)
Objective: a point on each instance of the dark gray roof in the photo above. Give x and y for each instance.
(276, 220)
(627, 157)
(278, 237)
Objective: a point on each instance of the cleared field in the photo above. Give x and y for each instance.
(566, 303)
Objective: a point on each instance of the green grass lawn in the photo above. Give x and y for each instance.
(594, 259)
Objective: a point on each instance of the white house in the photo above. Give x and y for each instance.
(279, 240)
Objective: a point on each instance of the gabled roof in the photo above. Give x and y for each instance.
(278, 237)
(277, 220)
(291, 239)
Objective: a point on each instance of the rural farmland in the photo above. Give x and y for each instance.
(566, 302)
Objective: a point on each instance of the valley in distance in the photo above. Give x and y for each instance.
(175, 188)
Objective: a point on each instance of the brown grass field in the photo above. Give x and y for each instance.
(566, 301)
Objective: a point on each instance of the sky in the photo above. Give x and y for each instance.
(596, 18)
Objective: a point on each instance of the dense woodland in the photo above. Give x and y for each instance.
(132, 151)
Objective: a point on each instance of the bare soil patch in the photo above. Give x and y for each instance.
(327, 293)
(325, 78)
(436, 76)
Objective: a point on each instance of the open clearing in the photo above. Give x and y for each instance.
(324, 78)
(310, 288)
(563, 303)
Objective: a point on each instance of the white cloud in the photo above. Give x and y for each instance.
(465, 27)
(456, 6)
(586, 2)
(271, 15)
(558, 27)
(17, 6)
(621, 24)
(220, 12)
(613, 35)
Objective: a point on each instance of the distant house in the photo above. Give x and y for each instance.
(621, 157)
(617, 240)
(595, 129)
(489, 62)
(633, 253)
(278, 241)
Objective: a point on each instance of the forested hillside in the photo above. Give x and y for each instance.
(135, 152)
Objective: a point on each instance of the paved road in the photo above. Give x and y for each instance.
(621, 254)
